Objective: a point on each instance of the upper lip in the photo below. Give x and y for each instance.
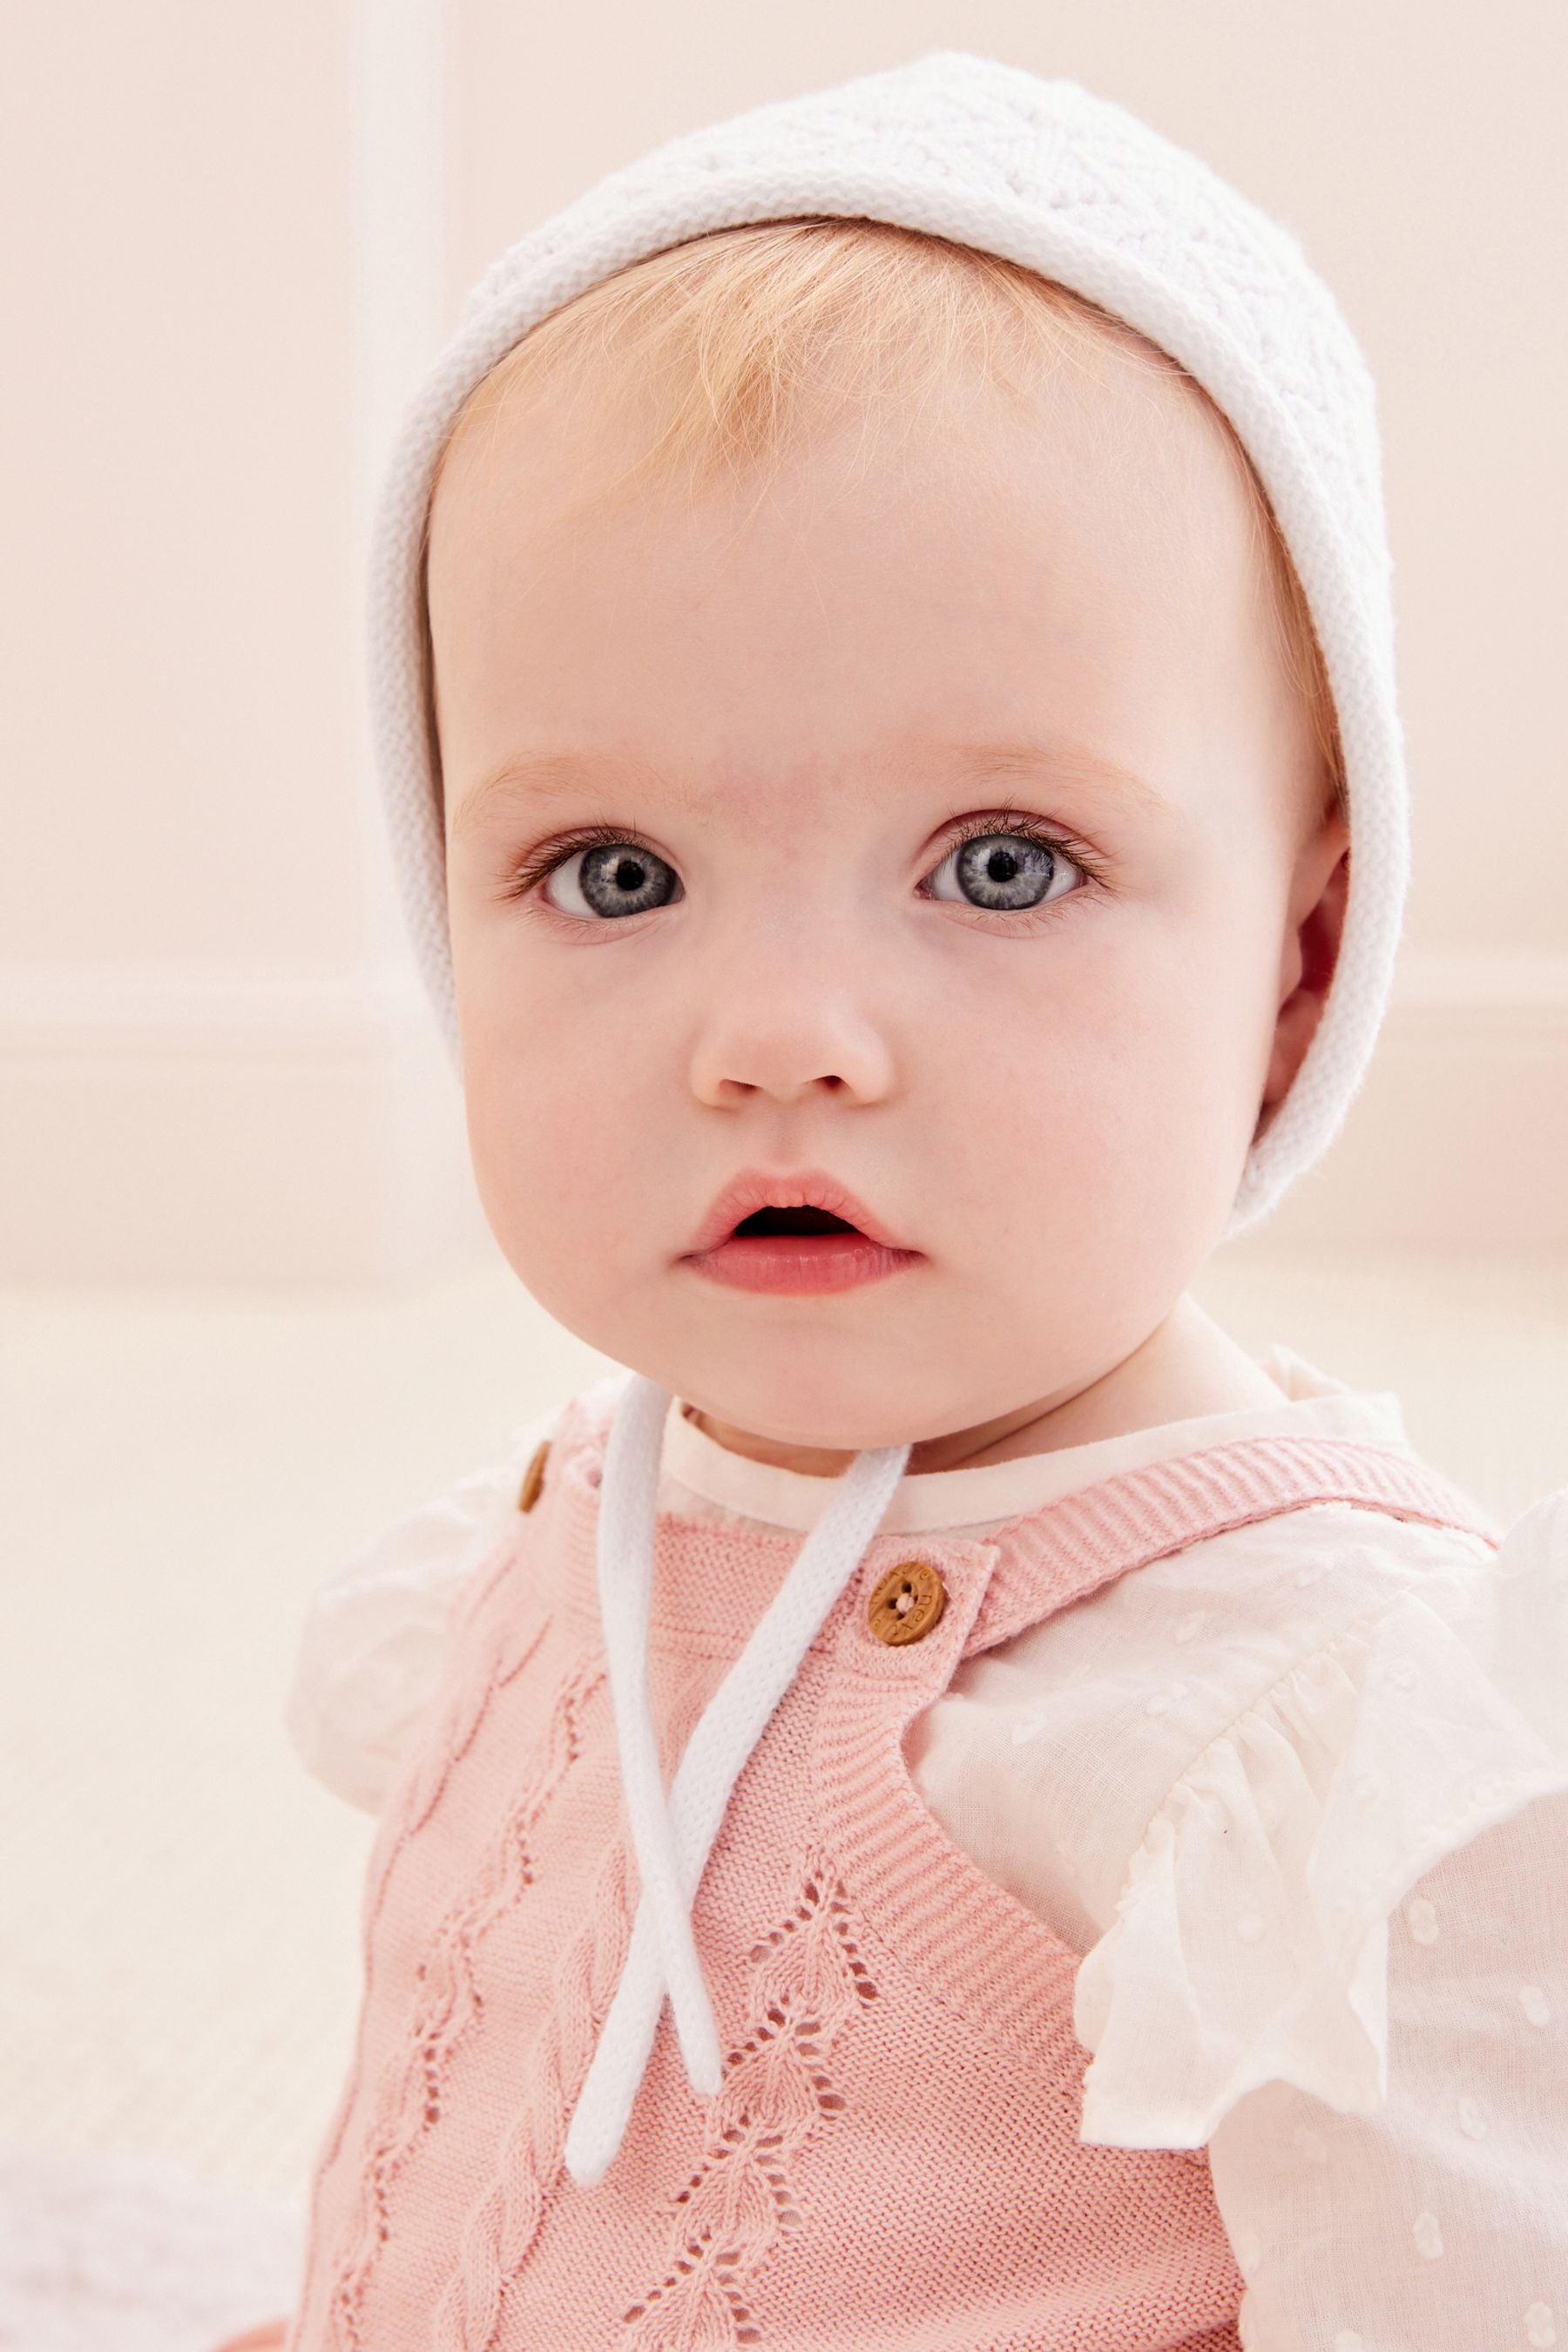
(801, 1188)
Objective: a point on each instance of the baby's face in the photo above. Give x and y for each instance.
(920, 841)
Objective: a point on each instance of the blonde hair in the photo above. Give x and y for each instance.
(736, 335)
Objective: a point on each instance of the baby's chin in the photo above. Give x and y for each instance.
(918, 1357)
(846, 1404)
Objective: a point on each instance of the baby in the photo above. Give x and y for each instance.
(882, 648)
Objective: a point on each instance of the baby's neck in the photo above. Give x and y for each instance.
(1187, 1367)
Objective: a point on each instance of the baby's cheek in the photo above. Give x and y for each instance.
(1176, 1113)
(1117, 1118)
(551, 1133)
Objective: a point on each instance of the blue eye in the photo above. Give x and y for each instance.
(1003, 872)
(613, 877)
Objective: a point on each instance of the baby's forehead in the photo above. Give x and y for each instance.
(544, 461)
(810, 635)
(1080, 465)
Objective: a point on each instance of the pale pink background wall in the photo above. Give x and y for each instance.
(238, 234)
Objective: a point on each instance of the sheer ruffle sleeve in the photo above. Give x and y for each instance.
(1249, 1944)
(371, 1648)
(1440, 2221)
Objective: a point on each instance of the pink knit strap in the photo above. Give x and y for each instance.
(1085, 1540)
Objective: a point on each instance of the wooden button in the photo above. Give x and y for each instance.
(906, 1602)
(533, 1478)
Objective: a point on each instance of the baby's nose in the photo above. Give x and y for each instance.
(789, 1045)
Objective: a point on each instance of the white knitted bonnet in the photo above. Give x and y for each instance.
(1078, 190)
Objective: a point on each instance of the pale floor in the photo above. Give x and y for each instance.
(179, 1960)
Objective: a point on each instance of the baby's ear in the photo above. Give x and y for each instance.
(1315, 921)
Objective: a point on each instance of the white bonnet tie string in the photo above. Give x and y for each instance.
(628, 1504)
(672, 1841)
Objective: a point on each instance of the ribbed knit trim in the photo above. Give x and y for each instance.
(1123, 1522)
(1046, 1557)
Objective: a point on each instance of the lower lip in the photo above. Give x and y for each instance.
(802, 1264)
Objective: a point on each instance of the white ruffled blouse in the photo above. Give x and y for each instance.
(1298, 1795)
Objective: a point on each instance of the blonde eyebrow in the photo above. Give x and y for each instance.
(545, 775)
(1024, 761)
(548, 775)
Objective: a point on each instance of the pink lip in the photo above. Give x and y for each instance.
(798, 1263)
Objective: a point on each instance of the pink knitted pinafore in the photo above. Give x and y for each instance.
(892, 2161)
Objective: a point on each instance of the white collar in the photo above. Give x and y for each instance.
(1312, 1404)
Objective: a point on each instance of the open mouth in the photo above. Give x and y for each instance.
(795, 1221)
(762, 1235)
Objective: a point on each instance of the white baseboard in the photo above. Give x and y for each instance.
(247, 1130)
(1458, 1139)
(278, 1131)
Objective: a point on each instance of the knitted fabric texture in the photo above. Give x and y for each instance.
(672, 1836)
(892, 2161)
(1042, 173)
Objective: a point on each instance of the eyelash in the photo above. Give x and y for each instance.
(544, 862)
(1026, 828)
